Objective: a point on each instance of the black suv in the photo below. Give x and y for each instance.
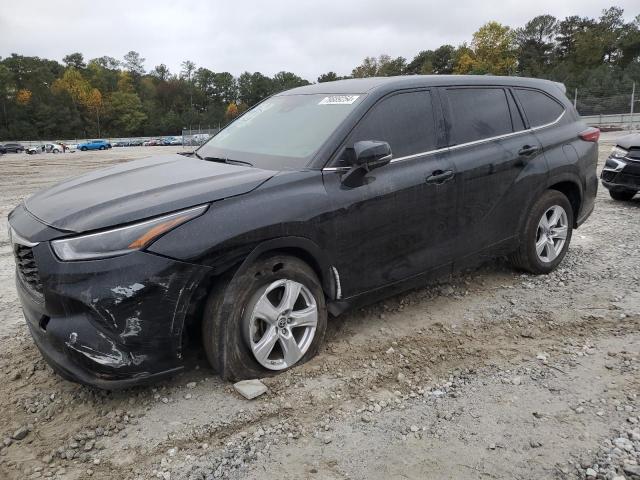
(13, 148)
(316, 200)
(621, 172)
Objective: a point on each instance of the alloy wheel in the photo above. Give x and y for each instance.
(551, 234)
(281, 323)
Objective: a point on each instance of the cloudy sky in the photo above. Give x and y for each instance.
(305, 37)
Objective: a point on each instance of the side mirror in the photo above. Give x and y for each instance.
(371, 154)
(365, 156)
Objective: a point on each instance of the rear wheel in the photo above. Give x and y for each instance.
(547, 233)
(622, 195)
(264, 320)
(83, 149)
(102, 148)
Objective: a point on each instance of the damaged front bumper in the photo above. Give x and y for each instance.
(109, 323)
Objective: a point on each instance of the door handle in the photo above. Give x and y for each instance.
(527, 151)
(439, 177)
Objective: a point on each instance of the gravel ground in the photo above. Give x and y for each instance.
(489, 374)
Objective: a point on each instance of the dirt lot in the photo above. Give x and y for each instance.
(490, 374)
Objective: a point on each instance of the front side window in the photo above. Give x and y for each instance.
(538, 107)
(478, 113)
(283, 131)
(405, 121)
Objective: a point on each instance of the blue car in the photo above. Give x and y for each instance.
(94, 145)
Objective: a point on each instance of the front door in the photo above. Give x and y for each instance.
(400, 221)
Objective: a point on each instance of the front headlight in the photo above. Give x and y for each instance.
(121, 240)
(617, 152)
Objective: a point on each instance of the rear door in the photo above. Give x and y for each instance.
(397, 224)
(497, 162)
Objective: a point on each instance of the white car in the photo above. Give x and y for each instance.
(45, 148)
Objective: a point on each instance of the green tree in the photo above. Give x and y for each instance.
(286, 80)
(535, 43)
(492, 51)
(254, 87)
(125, 112)
(328, 77)
(161, 72)
(75, 60)
(134, 63)
(368, 68)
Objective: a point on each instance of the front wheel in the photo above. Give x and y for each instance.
(83, 149)
(101, 148)
(622, 195)
(268, 318)
(546, 236)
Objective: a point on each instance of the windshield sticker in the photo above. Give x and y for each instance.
(338, 100)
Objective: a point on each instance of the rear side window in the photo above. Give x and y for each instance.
(404, 120)
(538, 107)
(478, 113)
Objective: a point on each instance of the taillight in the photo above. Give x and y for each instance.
(591, 134)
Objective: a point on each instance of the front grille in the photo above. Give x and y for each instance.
(27, 269)
(629, 180)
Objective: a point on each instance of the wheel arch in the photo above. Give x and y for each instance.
(571, 189)
(302, 248)
(299, 247)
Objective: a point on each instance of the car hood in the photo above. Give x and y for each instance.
(629, 141)
(140, 189)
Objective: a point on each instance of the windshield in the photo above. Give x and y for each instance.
(282, 132)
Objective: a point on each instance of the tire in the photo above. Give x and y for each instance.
(83, 149)
(102, 148)
(55, 150)
(622, 195)
(527, 256)
(228, 324)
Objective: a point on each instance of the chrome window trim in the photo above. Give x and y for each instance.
(461, 145)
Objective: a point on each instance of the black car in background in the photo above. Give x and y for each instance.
(13, 148)
(621, 172)
(317, 200)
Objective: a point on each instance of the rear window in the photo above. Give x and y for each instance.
(539, 108)
(478, 113)
(404, 120)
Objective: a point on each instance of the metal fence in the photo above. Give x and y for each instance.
(609, 107)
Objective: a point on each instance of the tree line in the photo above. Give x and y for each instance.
(109, 97)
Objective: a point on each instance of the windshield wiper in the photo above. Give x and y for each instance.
(196, 154)
(228, 160)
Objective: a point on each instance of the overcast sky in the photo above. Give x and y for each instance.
(305, 37)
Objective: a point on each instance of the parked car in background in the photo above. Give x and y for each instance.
(45, 148)
(33, 149)
(14, 148)
(3, 149)
(121, 143)
(135, 142)
(176, 141)
(197, 139)
(268, 227)
(621, 172)
(94, 145)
